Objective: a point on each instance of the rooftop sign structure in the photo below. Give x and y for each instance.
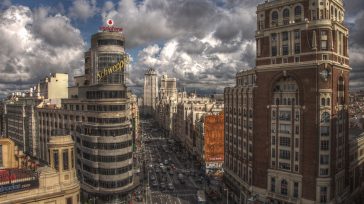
(110, 27)
(114, 68)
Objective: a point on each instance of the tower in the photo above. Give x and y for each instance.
(150, 91)
(103, 133)
(296, 105)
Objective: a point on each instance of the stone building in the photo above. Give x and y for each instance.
(56, 183)
(286, 121)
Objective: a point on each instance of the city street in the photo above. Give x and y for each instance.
(169, 173)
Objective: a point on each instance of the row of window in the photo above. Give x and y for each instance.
(105, 94)
(110, 42)
(106, 107)
(106, 120)
(100, 158)
(103, 171)
(108, 184)
(119, 145)
(103, 132)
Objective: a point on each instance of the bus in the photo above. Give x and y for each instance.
(201, 197)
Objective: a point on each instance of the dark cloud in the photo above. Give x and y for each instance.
(36, 44)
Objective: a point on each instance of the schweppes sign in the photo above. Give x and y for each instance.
(114, 68)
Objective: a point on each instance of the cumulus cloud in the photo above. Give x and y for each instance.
(200, 43)
(36, 44)
(83, 9)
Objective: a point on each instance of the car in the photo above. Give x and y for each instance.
(170, 186)
(152, 178)
(166, 162)
(157, 170)
(155, 183)
(163, 186)
(170, 172)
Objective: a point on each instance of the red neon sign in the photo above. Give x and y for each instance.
(110, 27)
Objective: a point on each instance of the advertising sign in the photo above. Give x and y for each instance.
(110, 27)
(214, 138)
(114, 68)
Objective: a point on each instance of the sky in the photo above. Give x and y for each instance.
(203, 43)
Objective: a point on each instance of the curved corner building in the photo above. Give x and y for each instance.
(104, 139)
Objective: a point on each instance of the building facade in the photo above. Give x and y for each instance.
(56, 183)
(99, 116)
(210, 140)
(150, 91)
(286, 121)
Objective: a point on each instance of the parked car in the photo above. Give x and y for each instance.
(170, 186)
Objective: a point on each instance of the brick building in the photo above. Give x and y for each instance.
(286, 121)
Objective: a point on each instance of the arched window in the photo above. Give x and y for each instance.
(286, 13)
(297, 11)
(328, 101)
(284, 187)
(274, 15)
(325, 117)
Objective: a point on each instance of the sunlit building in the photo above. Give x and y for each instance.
(22, 181)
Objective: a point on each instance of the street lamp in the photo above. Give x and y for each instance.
(227, 195)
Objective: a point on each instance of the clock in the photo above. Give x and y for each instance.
(325, 74)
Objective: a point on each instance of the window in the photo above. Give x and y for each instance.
(110, 42)
(273, 140)
(69, 200)
(284, 154)
(313, 14)
(324, 46)
(284, 166)
(286, 16)
(297, 11)
(273, 114)
(273, 153)
(285, 115)
(56, 159)
(285, 128)
(324, 172)
(328, 101)
(323, 194)
(1, 156)
(273, 185)
(274, 51)
(297, 48)
(295, 189)
(284, 187)
(297, 142)
(65, 159)
(296, 156)
(286, 13)
(297, 59)
(285, 141)
(274, 18)
(324, 145)
(325, 117)
(285, 49)
(297, 34)
(72, 159)
(324, 159)
(285, 36)
(325, 131)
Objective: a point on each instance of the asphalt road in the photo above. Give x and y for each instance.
(155, 150)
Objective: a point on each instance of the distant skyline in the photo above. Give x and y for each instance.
(202, 43)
